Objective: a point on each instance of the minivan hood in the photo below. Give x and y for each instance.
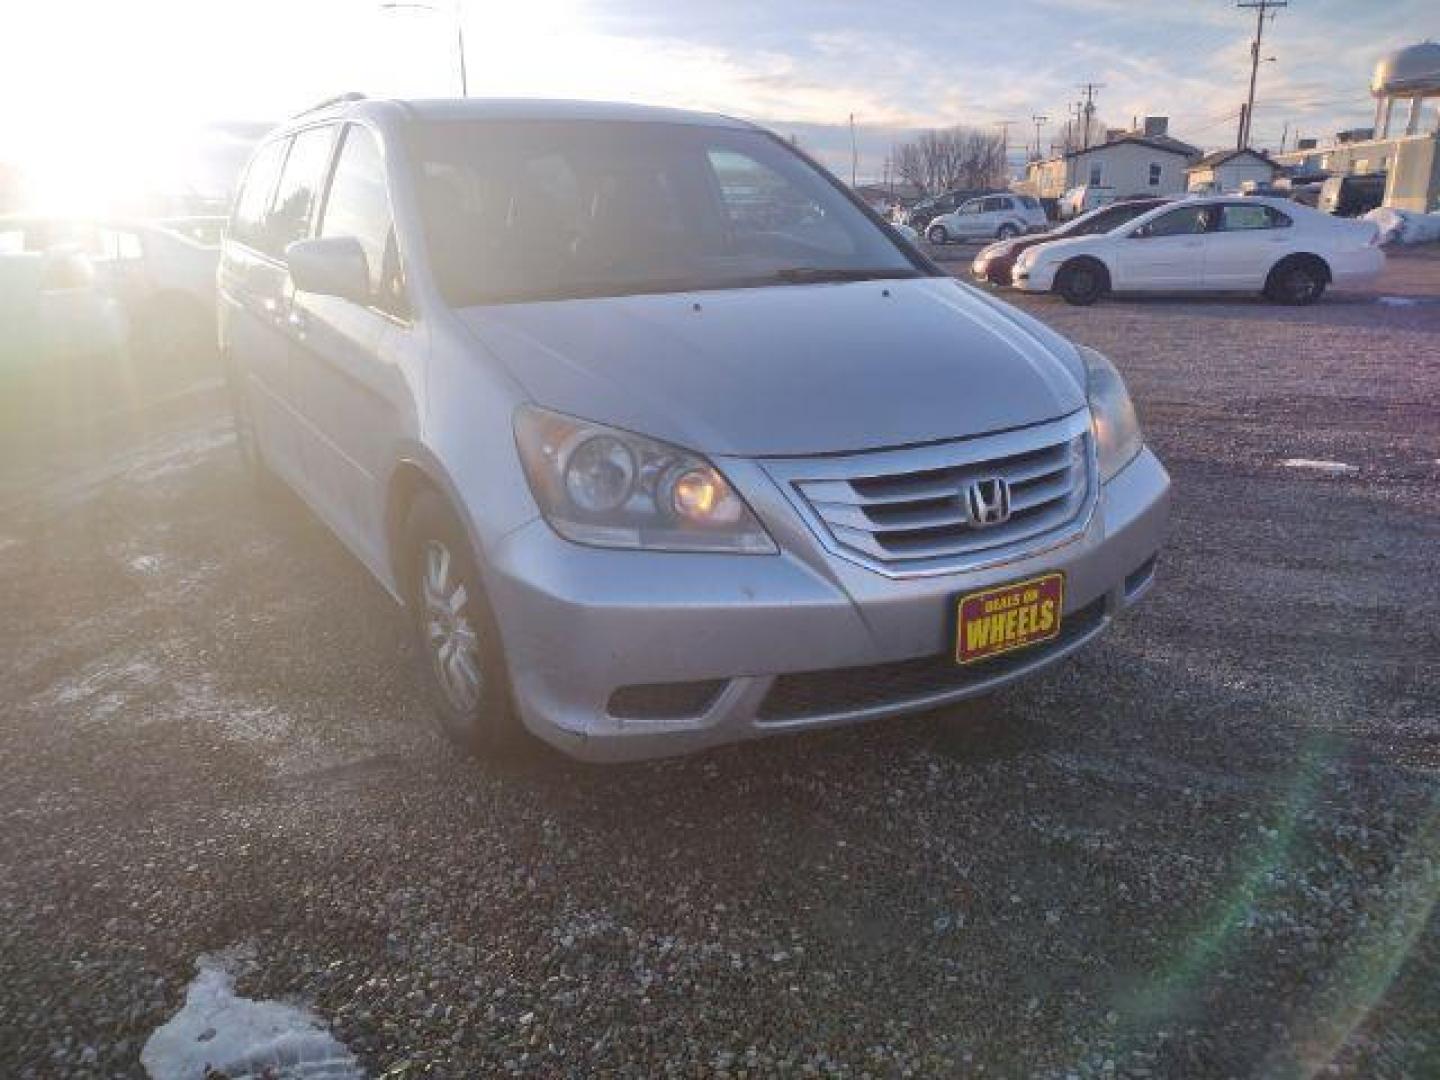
(789, 370)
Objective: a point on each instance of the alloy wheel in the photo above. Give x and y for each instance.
(449, 635)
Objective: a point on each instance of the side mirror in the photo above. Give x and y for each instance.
(330, 266)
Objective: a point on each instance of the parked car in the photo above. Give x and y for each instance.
(919, 216)
(1352, 196)
(162, 273)
(55, 321)
(649, 478)
(1254, 187)
(906, 233)
(1083, 199)
(994, 263)
(994, 216)
(1286, 251)
(1307, 194)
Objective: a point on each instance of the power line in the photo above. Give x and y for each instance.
(1260, 7)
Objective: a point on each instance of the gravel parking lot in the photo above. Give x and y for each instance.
(1205, 847)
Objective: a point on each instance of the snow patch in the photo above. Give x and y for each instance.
(1405, 226)
(218, 1032)
(1398, 301)
(145, 564)
(1336, 467)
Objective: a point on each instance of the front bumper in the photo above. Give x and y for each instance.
(1035, 279)
(580, 624)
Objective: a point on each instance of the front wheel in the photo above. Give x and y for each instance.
(1081, 283)
(937, 234)
(1006, 232)
(456, 634)
(247, 440)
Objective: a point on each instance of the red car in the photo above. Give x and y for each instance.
(994, 263)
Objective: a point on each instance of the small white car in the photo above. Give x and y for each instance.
(991, 217)
(1286, 251)
(1083, 199)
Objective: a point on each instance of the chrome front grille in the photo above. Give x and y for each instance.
(906, 511)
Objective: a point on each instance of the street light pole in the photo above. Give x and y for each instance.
(417, 5)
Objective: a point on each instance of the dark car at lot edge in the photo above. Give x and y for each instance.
(995, 263)
(1351, 196)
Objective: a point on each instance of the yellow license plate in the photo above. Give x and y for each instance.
(1008, 617)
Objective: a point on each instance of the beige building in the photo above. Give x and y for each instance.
(1406, 148)
(1147, 162)
(1225, 171)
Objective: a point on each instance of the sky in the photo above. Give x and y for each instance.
(110, 94)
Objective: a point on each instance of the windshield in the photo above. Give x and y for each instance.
(545, 210)
(1107, 218)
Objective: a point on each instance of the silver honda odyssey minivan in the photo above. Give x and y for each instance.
(660, 435)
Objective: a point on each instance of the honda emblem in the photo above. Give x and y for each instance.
(988, 502)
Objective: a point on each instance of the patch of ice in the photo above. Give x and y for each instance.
(218, 1032)
(1336, 467)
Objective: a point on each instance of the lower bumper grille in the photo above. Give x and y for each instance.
(665, 701)
(810, 694)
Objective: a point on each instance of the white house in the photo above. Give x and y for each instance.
(1145, 162)
(1225, 170)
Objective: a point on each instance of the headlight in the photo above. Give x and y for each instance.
(597, 485)
(1117, 430)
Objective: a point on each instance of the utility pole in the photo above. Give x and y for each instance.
(1038, 121)
(1089, 107)
(1284, 134)
(1005, 126)
(1261, 8)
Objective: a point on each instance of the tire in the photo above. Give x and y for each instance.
(1006, 232)
(246, 441)
(1297, 282)
(456, 637)
(1082, 282)
(937, 234)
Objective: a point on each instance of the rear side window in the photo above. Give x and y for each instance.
(993, 203)
(300, 184)
(1239, 218)
(359, 206)
(248, 219)
(1030, 202)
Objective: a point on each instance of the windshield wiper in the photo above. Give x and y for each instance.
(820, 275)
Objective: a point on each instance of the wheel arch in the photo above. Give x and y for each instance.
(415, 470)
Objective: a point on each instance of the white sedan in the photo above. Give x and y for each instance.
(1286, 251)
